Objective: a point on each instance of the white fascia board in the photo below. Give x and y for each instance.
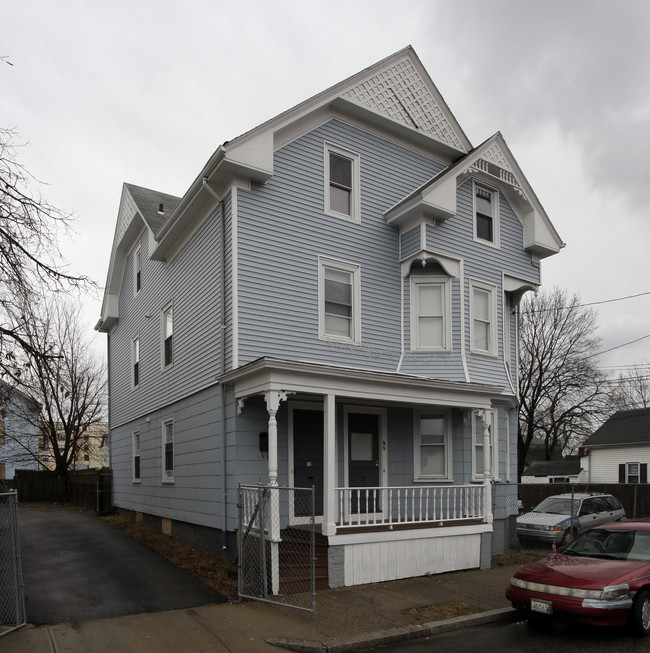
(387, 387)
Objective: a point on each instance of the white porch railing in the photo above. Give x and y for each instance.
(409, 505)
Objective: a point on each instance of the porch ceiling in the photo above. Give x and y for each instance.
(284, 376)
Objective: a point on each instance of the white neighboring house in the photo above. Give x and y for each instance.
(552, 471)
(18, 437)
(619, 451)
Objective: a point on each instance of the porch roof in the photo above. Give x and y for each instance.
(292, 377)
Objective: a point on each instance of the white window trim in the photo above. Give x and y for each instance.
(137, 267)
(496, 222)
(445, 282)
(494, 345)
(165, 478)
(477, 440)
(134, 359)
(628, 475)
(355, 199)
(355, 270)
(417, 475)
(136, 451)
(163, 333)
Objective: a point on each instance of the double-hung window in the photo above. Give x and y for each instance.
(339, 289)
(168, 450)
(483, 310)
(432, 448)
(137, 270)
(430, 314)
(342, 197)
(167, 324)
(135, 361)
(486, 214)
(136, 457)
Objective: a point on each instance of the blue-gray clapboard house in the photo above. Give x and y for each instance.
(332, 302)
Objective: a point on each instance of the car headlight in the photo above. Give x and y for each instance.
(616, 592)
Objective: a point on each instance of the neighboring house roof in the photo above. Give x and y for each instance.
(553, 468)
(623, 427)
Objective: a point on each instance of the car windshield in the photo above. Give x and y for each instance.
(557, 506)
(615, 544)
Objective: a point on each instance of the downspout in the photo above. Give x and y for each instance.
(222, 361)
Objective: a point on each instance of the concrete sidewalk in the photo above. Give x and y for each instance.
(346, 619)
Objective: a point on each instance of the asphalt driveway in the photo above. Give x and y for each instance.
(76, 567)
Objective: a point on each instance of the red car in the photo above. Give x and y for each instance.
(602, 578)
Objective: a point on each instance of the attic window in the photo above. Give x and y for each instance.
(341, 183)
(486, 215)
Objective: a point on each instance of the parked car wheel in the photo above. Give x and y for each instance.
(640, 615)
(569, 535)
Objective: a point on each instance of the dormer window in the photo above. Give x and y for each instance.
(486, 215)
(341, 183)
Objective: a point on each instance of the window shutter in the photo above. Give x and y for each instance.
(644, 473)
(621, 473)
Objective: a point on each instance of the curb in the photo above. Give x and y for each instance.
(394, 635)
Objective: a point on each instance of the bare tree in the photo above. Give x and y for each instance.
(560, 386)
(29, 254)
(64, 388)
(631, 390)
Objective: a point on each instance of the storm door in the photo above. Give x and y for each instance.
(308, 454)
(364, 463)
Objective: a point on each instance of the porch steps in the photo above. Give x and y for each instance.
(295, 564)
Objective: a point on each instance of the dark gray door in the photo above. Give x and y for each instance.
(308, 454)
(363, 459)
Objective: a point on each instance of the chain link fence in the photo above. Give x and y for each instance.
(276, 562)
(12, 597)
(547, 515)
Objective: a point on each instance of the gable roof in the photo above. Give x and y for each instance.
(493, 162)
(148, 203)
(623, 427)
(553, 468)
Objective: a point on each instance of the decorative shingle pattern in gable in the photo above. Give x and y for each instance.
(624, 427)
(401, 94)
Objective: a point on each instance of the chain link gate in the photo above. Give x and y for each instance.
(276, 562)
(12, 597)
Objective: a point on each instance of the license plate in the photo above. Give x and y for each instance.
(540, 605)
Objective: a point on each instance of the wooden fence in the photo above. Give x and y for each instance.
(88, 488)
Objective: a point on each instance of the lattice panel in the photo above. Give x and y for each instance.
(401, 94)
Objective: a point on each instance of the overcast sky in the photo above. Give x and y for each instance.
(144, 91)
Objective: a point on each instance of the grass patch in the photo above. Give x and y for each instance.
(217, 573)
(440, 611)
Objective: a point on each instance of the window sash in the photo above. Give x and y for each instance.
(484, 213)
(168, 332)
(482, 320)
(430, 314)
(432, 445)
(168, 451)
(340, 179)
(339, 301)
(136, 362)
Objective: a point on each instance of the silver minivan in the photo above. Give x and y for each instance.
(559, 519)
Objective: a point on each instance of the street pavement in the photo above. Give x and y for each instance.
(346, 619)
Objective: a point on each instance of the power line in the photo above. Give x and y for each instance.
(604, 301)
(625, 344)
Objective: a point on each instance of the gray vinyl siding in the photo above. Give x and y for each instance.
(282, 229)
(195, 494)
(410, 243)
(190, 282)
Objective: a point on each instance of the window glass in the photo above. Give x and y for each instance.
(432, 445)
(484, 207)
(168, 451)
(338, 302)
(632, 472)
(340, 184)
(136, 456)
(136, 362)
(168, 331)
(482, 319)
(430, 309)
